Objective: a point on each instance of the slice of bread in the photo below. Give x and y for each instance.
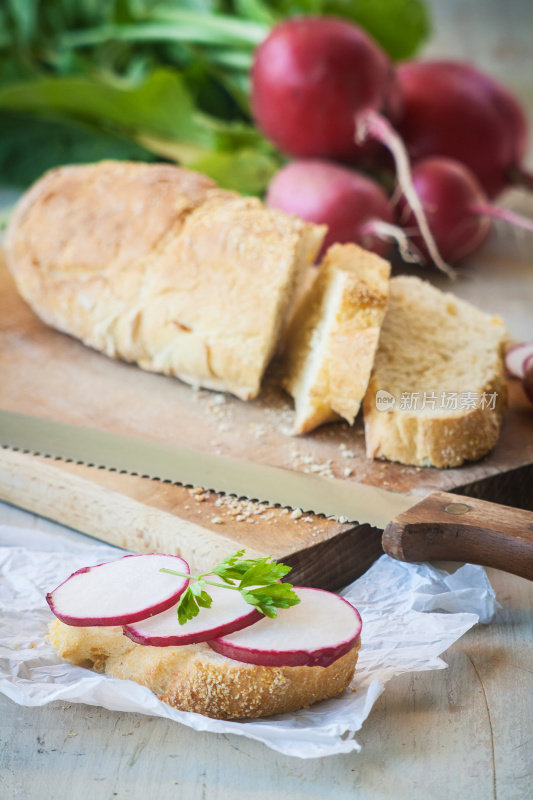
(155, 264)
(332, 338)
(438, 379)
(196, 678)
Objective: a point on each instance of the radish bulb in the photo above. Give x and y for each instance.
(309, 77)
(519, 358)
(128, 589)
(229, 612)
(319, 88)
(457, 208)
(353, 206)
(316, 632)
(452, 109)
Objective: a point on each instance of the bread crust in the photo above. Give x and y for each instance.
(196, 678)
(440, 438)
(156, 265)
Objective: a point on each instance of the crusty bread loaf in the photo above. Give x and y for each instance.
(157, 265)
(440, 360)
(196, 678)
(332, 338)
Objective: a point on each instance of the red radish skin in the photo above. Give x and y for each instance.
(309, 77)
(457, 209)
(117, 592)
(326, 193)
(353, 206)
(517, 358)
(452, 109)
(319, 88)
(229, 613)
(316, 632)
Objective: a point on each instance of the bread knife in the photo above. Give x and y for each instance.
(440, 526)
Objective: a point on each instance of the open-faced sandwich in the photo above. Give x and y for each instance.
(234, 643)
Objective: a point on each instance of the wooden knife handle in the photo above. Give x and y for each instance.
(453, 528)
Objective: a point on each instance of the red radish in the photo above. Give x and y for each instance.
(309, 77)
(354, 207)
(528, 380)
(128, 589)
(452, 109)
(517, 358)
(319, 86)
(230, 612)
(316, 632)
(456, 207)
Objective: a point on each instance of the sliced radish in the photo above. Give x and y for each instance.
(229, 612)
(528, 364)
(128, 589)
(316, 632)
(516, 357)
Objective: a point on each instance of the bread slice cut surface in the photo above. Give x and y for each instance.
(332, 338)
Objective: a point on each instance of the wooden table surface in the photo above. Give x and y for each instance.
(463, 732)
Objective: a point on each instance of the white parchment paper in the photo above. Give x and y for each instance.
(411, 613)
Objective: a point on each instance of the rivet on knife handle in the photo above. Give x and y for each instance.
(444, 527)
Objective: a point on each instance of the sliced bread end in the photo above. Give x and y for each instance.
(437, 395)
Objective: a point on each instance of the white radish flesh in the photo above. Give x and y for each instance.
(229, 612)
(128, 589)
(316, 632)
(516, 357)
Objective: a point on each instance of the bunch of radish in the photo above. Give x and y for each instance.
(328, 96)
(134, 592)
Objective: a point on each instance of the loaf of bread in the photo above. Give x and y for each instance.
(437, 394)
(332, 338)
(196, 678)
(156, 265)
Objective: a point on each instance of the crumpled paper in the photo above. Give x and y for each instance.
(411, 613)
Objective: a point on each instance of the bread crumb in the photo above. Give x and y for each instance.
(297, 513)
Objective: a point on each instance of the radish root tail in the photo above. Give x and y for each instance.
(370, 123)
(386, 231)
(488, 210)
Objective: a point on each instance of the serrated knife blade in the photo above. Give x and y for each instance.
(439, 526)
(222, 474)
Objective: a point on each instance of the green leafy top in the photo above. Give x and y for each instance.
(167, 78)
(257, 579)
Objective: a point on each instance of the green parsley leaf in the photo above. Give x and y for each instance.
(187, 607)
(263, 572)
(200, 595)
(268, 598)
(233, 567)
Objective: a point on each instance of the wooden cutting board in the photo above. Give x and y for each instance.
(48, 374)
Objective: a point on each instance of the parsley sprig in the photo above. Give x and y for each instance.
(257, 580)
